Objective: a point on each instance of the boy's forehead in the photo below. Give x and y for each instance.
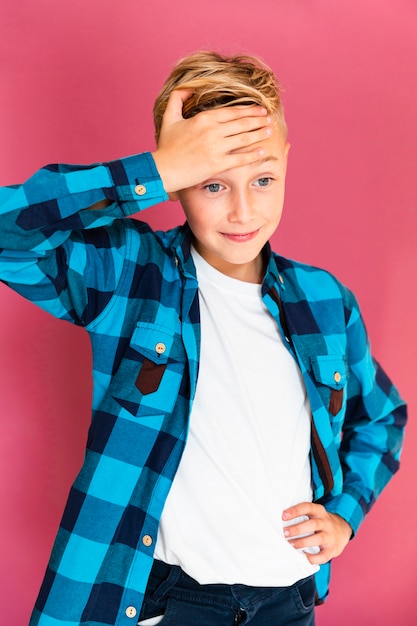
(275, 146)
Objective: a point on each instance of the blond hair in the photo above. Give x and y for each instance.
(220, 81)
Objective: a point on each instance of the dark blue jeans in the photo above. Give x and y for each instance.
(183, 602)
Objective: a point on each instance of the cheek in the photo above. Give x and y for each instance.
(197, 221)
(201, 218)
(190, 212)
(199, 224)
(275, 207)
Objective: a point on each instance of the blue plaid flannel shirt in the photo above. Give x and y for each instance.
(135, 292)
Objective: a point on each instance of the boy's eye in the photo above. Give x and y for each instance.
(213, 187)
(264, 181)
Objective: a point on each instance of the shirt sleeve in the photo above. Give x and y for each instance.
(50, 239)
(373, 428)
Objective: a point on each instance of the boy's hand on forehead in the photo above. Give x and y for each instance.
(192, 150)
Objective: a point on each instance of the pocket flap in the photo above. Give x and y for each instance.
(330, 370)
(157, 343)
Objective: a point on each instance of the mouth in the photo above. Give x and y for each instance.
(240, 237)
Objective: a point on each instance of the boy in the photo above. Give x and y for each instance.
(241, 430)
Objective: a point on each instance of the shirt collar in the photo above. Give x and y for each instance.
(181, 246)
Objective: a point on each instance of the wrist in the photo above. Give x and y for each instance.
(163, 171)
(344, 526)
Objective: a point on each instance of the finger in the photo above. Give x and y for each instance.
(237, 129)
(307, 527)
(247, 141)
(311, 541)
(319, 558)
(304, 508)
(225, 115)
(173, 111)
(243, 158)
(242, 130)
(243, 125)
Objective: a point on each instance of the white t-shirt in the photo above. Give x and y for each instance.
(247, 453)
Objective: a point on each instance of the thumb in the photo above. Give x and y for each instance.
(173, 111)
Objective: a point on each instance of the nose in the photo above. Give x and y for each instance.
(241, 208)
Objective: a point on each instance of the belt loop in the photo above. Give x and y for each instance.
(168, 583)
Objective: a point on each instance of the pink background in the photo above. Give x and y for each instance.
(78, 80)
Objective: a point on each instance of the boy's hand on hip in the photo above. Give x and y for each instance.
(327, 530)
(192, 150)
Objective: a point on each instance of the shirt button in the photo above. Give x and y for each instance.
(147, 540)
(140, 190)
(131, 611)
(160, 348)
(337, 377)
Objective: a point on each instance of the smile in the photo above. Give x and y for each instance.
(240, 237)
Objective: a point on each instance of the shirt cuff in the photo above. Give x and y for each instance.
(137, 182)
(347, 507)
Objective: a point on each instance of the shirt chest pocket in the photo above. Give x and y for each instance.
(150, 374)
(330, 373)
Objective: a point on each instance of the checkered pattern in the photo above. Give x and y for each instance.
(135, 292)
